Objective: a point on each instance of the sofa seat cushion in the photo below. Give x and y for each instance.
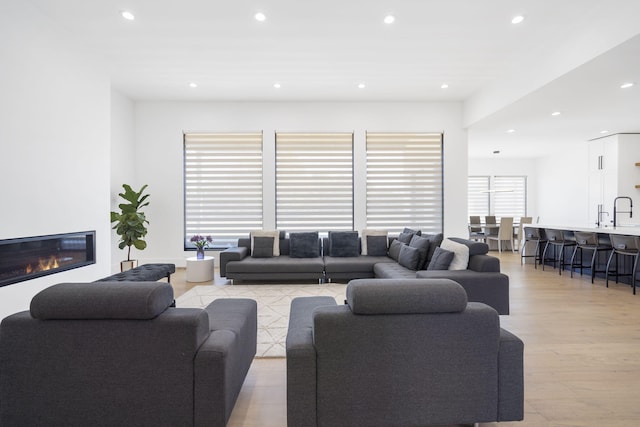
(358, 264)
(279, 264)
(391, 270)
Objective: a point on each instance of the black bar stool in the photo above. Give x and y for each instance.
(559, 240)
(533, 234)
(627, 246)
(589, 241)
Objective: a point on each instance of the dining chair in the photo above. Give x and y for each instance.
(505, 233)
(475, 228)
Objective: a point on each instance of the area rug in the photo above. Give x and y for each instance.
(274, 302)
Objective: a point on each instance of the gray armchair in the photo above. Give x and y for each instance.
(401, 352)
(116, 353)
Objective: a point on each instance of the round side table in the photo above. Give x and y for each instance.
(200, 270)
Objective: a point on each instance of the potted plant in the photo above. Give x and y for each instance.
(130, 223)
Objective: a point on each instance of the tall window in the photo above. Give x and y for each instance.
(314, 181)
(404, 181)
(478, 195)
(222, 185)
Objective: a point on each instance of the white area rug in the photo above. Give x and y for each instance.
(274, 302)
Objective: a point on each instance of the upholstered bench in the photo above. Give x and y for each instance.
(143, 273)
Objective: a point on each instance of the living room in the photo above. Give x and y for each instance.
(71, 136)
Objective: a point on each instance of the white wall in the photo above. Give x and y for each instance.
(123, 161)
(54, 136)
(160, 125)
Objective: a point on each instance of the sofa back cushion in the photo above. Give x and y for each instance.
(475, 248)
(103, 300)
(304, 245)
(405, 296)
(344, 244)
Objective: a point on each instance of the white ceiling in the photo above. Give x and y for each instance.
(569, 55)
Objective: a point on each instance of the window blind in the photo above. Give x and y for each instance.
(404, 181)
(314, 181)
(510, 196)
(222, 186)
(478, 196)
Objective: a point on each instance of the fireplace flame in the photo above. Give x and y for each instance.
(43, 265)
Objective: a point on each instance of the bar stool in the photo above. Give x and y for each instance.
(533, 234)
(589, 241)
(626, 246)
(559, 240)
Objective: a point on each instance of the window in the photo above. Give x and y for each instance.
(314, 181)
(510, 196)
(222, 186)
(478, 196)
(404, 181)
(497, 195)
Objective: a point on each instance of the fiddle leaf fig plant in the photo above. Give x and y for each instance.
(130, 222)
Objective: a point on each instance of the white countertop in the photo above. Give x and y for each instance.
(627, 230)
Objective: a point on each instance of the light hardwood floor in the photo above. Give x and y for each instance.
(582, 353)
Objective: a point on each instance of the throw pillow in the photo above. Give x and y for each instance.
(409, 257)
(422, 244)
(461, 254)
(366, 233)
(268, 233)
(304, 245)
(412, 231)
(262, 247)
(394, 249)
(377, 245)
(343, 243)
(440, 260)
(434, 242)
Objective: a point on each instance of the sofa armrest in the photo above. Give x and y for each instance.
(231, 254)
(484, 264)
(301, 361)
(510, 377)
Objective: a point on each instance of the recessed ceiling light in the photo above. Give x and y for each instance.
(511, 131)
(626, 85)
(555, 113)
(604, 131)
(361, 85)
(277, 85)
(261, 17)
(496, 151)
(192, 84)
(389, 19)
(517, 19)
(444, 86)
(127, 15)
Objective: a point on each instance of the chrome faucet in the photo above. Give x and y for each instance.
(616, 212)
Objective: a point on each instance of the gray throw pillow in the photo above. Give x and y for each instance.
(377, 245)
(422, 244)
(304, 245)
(344, 243)
(262, 247)
(441, 259)
(409, 257)
(394, 249)
(434, 242)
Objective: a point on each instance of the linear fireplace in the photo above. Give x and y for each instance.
(30, 257)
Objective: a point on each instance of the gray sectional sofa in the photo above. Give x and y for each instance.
(481, 279)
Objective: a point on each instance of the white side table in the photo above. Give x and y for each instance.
(200, 270)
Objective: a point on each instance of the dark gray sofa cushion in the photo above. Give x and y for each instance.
(104, 300)
(394, 249)
(344, 244)
(262, 247)
(377, 245)
(441, 259)
(475, 248)
(405, 296)
(304, 245)
(422, 244)
(409, 257)
(434, 242)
